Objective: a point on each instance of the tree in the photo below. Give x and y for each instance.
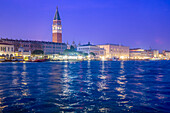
(85, 54)
(91, 53)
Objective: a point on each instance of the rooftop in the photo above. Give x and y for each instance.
(166, 51)
(57, 16)
(113, 44)
(88, 44)
(1, 43)
(32, 41)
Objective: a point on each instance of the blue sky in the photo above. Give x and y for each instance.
(134, 23)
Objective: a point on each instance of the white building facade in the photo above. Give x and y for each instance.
(116, 51)
(6, 49)
(89, 48)
(166, 54)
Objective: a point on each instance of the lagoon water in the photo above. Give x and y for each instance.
(94, 86)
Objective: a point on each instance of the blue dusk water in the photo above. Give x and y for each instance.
(96, 86)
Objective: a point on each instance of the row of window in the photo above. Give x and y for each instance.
(59, 28)
(52, 50)
(32, 46)
(7, 49)
(119, 50)
(89, 48)
(54, 47)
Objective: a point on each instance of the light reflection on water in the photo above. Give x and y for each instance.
(90, 86)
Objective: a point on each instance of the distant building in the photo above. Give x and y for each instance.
(6, 49)
(117, 51)
(89, 48)
(166, 54)
(156, 53)
(57, 28)
(29, 45)
(68, 45)
(74, 44)
(140, 54)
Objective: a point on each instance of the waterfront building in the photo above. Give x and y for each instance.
(24, 53)
(30, 45)
(89, 48)
(140, 54)
(54, 48)
(115, 51)
(166, 54)
(162, 56)
(155, 53)
(57, 28)
(6, 50)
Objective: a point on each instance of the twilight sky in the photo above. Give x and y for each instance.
(134, 23)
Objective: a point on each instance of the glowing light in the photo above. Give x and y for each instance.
(65, 57)
(80, 57)
(102, 58)
(122, 57)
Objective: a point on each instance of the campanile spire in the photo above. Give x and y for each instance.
(57, 27)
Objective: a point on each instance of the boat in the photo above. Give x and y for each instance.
(39, 60)
(17, 59)
(2, 58)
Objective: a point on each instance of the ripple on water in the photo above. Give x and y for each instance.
(93, 86)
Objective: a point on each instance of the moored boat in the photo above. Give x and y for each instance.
(17, 59)
(39, 60)
(2, 58)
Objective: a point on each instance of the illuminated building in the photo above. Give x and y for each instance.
(140, 54)
(6, 50)
(57, 28)
(137, 53)
(115, 51)
(155, 53)
(25, 54)
(89, 48)
(30, 45)
(166, 54)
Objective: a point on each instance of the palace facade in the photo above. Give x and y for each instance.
(29, 45)
(116, 51)
(6, 49)
(89, 48)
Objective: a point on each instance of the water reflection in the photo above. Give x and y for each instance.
(122, 81)
(84, 87)
(66, 80)
(24, 81)
(103, 83)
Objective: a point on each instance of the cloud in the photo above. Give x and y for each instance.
(158, 41)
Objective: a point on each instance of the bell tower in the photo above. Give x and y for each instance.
(57, 28)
